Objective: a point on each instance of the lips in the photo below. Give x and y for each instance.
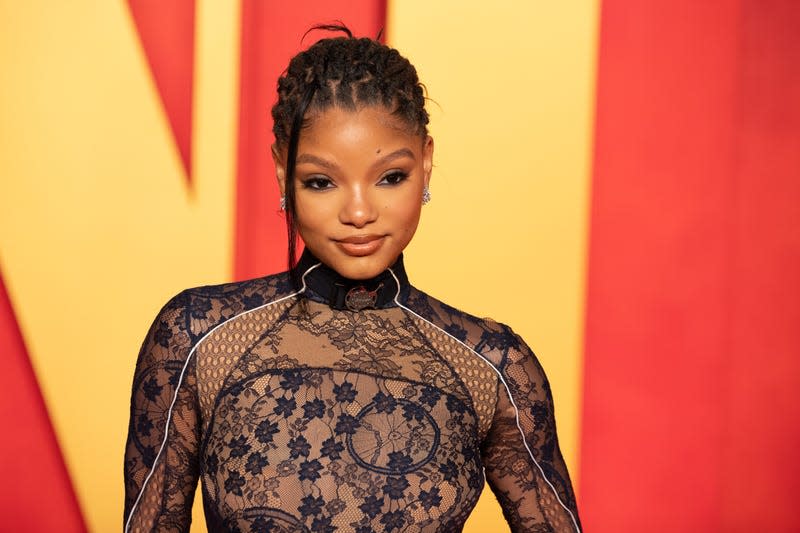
(360, 245)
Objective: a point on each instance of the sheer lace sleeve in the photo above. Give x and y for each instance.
(523, 462)
(161, 465)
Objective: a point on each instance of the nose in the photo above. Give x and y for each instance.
(357, 209)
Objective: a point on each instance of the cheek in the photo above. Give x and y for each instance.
(406, 216)
(310, 229)
(313, 215)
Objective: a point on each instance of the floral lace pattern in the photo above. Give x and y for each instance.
(298, 417)
(314, 440)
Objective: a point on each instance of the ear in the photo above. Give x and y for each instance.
(280, 168)
(427, 159)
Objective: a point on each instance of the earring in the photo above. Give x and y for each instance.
(426, 195)
(283, 203)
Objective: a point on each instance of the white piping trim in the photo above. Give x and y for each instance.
(508, 390)
(180, 382)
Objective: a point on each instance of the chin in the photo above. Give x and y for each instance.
(360, 269)
(364, 267)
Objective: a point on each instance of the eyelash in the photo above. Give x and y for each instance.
(318, 183)
(398, 176)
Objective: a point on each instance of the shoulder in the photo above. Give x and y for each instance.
(193, 312)
(494, 340)
(232, 298)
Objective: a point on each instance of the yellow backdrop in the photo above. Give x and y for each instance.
(98, 227)
(505, 235)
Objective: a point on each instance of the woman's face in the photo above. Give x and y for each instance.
(358, 188)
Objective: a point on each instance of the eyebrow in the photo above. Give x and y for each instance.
(388, 158)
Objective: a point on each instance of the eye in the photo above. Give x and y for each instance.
(317, 183)
(393, 178)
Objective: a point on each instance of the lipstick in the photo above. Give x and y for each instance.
(360, 245)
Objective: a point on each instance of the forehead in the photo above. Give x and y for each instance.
(360, 124)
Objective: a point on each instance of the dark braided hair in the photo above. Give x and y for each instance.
(348, 73)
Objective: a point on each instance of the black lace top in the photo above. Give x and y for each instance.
(344, 407)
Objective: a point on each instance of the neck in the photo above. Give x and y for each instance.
(323, 284)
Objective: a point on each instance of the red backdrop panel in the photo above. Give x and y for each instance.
(690, 421)
(166, 31)
(36, 494)
(271, 35)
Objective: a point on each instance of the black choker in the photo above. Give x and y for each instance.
(325, 285)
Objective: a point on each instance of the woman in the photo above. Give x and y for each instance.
(336, 396)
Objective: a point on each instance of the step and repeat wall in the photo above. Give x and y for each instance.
(617, 180)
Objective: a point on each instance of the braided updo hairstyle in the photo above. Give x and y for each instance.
(348, 73)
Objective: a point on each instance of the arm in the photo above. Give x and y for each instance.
(161, 455)
(523, 462)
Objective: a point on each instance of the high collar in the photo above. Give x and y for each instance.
(325, 285)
